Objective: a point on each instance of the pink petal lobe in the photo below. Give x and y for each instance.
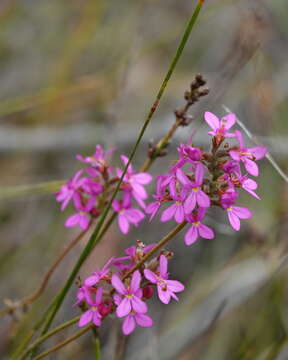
(212, 120)
(138, 305)
(251, 167)
(190, 203)
(124, 307)
(150, 276)
(242, 212)
(85, 318)
(206, 232)
(143, 320)
(191, 235)
(234, 220)
(135, 282)
(118, 284)
(228, 120)
(123, 223)
(128, 325)
(163, 265)
(168, 213)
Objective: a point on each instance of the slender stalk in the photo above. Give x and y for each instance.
(162, 143)
(63, 343)
(95, 236)
(49, 334)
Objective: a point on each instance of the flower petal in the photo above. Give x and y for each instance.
(206, 232)
(135, 282)
(191, 235)
(190, 203)
(212, 120)
(123, 223)
(143, 320)
(150, 276)
(203, 199)
(168, 213)
(124, 307)
(85, 318)
(228, 120)
(242, 212)
(128, 325)
(234, 220)
(251, 167)
(138, 305)
(118, 284)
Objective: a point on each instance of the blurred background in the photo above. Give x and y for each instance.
(77, 73)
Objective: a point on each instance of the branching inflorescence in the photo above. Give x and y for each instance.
(197, 181)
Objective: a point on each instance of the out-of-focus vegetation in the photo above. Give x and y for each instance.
(76, 73)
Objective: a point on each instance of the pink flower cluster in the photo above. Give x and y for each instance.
(199, 180)
(90, 190)
(117, 289)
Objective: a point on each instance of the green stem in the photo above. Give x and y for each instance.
(95, 236)
(41, 339)
(63, 343)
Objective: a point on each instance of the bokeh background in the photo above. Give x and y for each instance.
(77, 73)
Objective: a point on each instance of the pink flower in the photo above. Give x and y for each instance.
(197, 228)
(221, 126)
(70, 190)
(249, 185)
(197, 195)
(188, 154)
(160, 195)
(126, 214)
(131, 295)
(93, 313)
(235, 213)
(134, 319)
(175, 210)
(135, 181)
(82, 217)
(166, 288)
(99, 274)
(98, 160)
(248, 155)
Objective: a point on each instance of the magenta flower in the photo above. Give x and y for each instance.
(235, 213)
(175, 210)
(221, 126)
(197, 229)
(82, 217)
(188, 154)
(197, 195)
(98, 160)
(126, 214)
(166, 288)
(131, 296)
(93, 313)
(135, 181)
(249, 185)
(134, 319)
(70, 190)
(160, 195)
(99, 274)
(248, 155)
